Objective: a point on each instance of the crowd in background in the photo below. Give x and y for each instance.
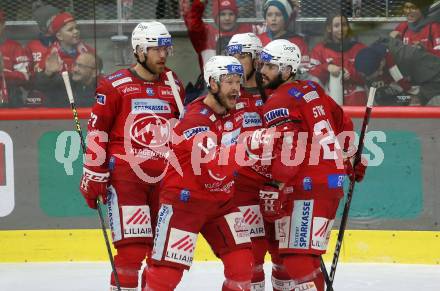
(30, 73)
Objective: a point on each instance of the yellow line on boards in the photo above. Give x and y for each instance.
(409, 247)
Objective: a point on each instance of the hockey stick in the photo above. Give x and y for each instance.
(65, 76)
(357, 160)
(175, 93)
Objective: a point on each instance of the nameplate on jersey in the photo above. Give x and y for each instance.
(149, 106)
(276, 114)
(194, 130)
(230, 138)
(251, 119)
(122, 81)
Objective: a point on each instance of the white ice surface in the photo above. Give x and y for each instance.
(209, 276)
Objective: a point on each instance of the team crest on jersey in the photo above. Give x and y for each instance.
(150, 131)
(149, 106)
(194, 130)
(228, 125)
(100, 99)
(259, 102)
(276, 114)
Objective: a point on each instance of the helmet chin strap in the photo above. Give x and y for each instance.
(144, 64)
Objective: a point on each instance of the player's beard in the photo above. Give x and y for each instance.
(275, 83)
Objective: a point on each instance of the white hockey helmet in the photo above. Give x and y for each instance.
(150, 34)
(218, 66)
(283, 53)
(244, 43)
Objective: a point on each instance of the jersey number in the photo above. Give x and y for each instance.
(323, 127)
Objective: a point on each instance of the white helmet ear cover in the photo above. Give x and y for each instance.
(150, 34)
(218, 66)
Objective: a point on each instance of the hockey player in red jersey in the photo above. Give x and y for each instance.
(246, 47)
(129, 123)
(199, 198)
(307, 169)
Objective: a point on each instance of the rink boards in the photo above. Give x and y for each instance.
(394, 216)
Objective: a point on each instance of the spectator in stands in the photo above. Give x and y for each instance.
(278, 15)
(86, 72)
(403, 74)
(211, 39)
(419, 28)
(14, 69)
(332, 61)
(68, 44)
(38, 48)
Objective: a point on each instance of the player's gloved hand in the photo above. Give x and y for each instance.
(93, 185)
(272, 200)
(357, 173)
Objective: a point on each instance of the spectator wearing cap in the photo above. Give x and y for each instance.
(278, 14)
(63, 52)
(419, 28)
(334, 57)
(402, 74)
(14, 69)
(211, 39)
(37, 48)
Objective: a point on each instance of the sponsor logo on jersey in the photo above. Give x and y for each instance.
(137, 221)
(321, 233)
(112, 77)
(165, 92)
(335, 181)
(312, 95)
(189, 133)
(151, 131)
(276, 114)
(295, 93)
(149, 106)
(251, 119)
(163, 220)
(185, 195)
(231, 138)
(238, 227)
(301, 224)
(122, 81)
(252, 216)
(228, 125)
(150, 91)
(259, 102)
(181, 245)
(114, 220)
(311, 84)
(130, 89)
(100, 99)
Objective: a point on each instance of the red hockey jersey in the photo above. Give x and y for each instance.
(136, 116)
(315, 160)
(205, 146)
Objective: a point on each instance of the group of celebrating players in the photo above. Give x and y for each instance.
(255, 165)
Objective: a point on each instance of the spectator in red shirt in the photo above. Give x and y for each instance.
(333, 60)
(278, 15)
(419, 28)
(211, 39)
(14, 69)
